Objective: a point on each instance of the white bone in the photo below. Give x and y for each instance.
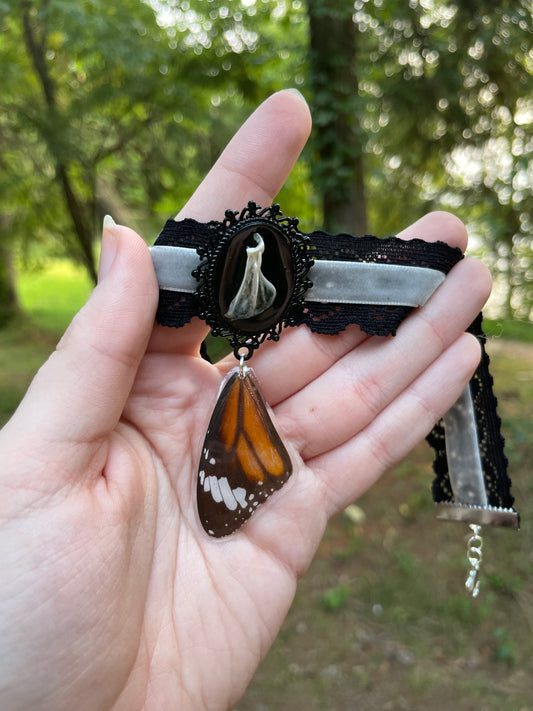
(255, 293)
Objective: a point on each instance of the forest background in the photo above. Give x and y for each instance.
(417, 105)
(122, 107)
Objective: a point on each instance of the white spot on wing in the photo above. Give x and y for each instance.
(215, 489)
(227, 494)
(201, 475)
(212, 461)
(240, 494)
(207, 483)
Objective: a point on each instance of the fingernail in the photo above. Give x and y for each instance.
(297, 93)
(108, 249)
(110, 224)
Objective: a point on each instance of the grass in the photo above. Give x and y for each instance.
(52, 295)
(509, 329)
(49, 299)
(381, 619)
(23, 349)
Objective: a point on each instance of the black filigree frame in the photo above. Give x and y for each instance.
(213, 254)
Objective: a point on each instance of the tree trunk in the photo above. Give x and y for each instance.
(9, 307)
(339, 169)
(80, 214)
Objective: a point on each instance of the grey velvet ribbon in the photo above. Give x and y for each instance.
(465, 471)
(462, 452)
(333, 281)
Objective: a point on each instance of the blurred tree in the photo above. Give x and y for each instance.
(242, 51)
(8, 295)
(105, 106)
(337, 114)
(417, 105)
(445, 101)
(89, 105)
(449, 114)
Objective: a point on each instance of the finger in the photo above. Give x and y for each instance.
(257, 160)
(301, 356)
(438, 226)
(78, 395)
(366, 380)
(347, 471)
(253, 166)
(331, 481)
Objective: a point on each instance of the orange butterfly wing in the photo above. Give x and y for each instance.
(243, 459)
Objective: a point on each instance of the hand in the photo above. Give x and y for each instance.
(112, 595)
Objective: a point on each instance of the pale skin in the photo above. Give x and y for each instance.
(112, 596)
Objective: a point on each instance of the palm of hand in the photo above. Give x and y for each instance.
(142, 608)
(203, 618)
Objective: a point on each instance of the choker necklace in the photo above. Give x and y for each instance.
(255, 273)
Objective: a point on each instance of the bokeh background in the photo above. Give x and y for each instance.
(418, 105)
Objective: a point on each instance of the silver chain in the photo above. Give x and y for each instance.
(475, 556)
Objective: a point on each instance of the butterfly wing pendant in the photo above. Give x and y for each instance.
(243, 459)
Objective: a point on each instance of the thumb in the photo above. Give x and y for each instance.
(78, 395)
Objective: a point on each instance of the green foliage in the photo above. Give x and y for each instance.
(407, 563)
(8, 304)
(443, 96)
(49, 295)
(23, 349)
(336, 598)
(88, 110)
(510, 328)
(505, 582)
(506, 648)
(469, 612)
(123, 107)
(53, 294)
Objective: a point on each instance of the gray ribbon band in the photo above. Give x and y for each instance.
(465, 470)
(462, 452)
(173, 267)
(333, 281)
(370, 283)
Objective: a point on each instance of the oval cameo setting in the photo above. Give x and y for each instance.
(253, 276)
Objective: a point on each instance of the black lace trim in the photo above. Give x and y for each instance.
(491, 442)
(176, 309)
